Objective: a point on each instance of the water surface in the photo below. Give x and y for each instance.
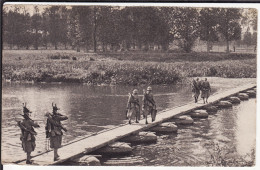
(95, 108)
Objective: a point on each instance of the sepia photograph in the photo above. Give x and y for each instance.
(129, 85)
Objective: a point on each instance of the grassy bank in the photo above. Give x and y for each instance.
(178, 57)
(46, 66)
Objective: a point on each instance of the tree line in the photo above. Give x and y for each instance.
(123, 28)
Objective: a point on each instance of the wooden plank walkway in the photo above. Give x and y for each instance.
(97, 141)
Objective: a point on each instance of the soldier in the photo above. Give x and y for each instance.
(196, 89)
(53, 128)
(205, 90)
(149, 106)
(133, 106)
(28, 133)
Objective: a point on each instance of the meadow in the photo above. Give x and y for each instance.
(125, 69)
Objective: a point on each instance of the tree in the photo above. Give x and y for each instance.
(208, 25)
(169, 16)
(36, 26)
(11, 27)
(253, 19)
(247, 38)
(64, 14)
(94, 35)
(54, 25)
(85, 25)
(249, 18)
(45, 29)
(254, 38)
(229, 25)
(187, 27)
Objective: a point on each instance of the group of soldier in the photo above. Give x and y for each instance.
(148, 106)
(53, 130)
(203, 87)
(54, 127)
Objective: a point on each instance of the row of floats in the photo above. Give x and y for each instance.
(123, 147)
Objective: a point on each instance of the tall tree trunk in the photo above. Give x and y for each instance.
(94, 31)
(36, 40)
(103, 47)
(55, 46)
(227, 46)
(78, 48)
(86, 48)
(208, 46)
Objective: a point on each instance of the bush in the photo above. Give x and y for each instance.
(37, 68)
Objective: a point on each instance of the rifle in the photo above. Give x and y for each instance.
(24, 128)
(54, 122)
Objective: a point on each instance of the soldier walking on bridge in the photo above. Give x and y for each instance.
(149, 106)
(196, 89)
(28, 133)
(205, 90)
(53, 130)
(133, 106)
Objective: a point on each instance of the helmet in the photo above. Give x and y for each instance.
(135, 91)
(55, 108)
(149, 88)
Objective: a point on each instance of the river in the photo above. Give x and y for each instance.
(95, 108)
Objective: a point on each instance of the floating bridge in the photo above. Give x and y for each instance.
(96, 141)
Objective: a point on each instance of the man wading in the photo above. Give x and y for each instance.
(205, 90)
(53, 130)
(149, 106)
(196, 89)
(28, 134)
(133, 106)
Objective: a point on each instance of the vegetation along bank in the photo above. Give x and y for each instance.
(47, 66)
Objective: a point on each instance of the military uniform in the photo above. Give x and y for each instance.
(28, 139)
(205, 90)
(195, 90)
(55, 131)
(149, 106)
(28, 134)
(133, 107)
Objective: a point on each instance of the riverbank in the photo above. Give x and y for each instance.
(70, 66)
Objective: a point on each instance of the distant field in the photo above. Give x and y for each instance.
(70, 66)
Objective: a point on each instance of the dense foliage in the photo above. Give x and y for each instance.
(108, 28)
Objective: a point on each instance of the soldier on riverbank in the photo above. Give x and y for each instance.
(133, 106)
(196, 89)
(205, 90)
(149, 106)
(54, 130)
(28, 133)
